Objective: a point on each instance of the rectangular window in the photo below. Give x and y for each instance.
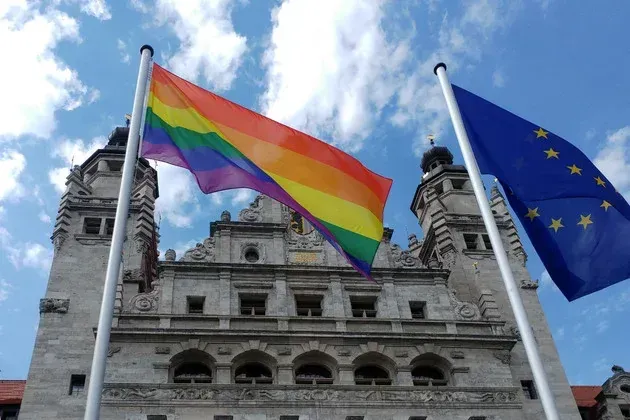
(471, 240)
(354, 417)
(109, 227)
(223, 417)
(156, 417)
(625, 411)
(417, 309)
(529, 390)
(363, 306)
(486, 242)
(253, 304)
(77, 384)
(477, 418)
(418, 418)
(289, 417)
(92, 226)
(307, 305)
(195, 304)
(9, 413)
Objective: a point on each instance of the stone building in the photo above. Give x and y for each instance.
(263, 320)
(611, 401)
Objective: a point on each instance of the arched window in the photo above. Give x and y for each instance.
(371, 375)
(192, 373)
(191, 367)
(253, 373)
(427, 376)
(313, 374)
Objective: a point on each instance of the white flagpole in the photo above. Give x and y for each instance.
(99, 360)
(522, 322)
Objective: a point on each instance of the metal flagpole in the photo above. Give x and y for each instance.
(99, 360)
(522, 322)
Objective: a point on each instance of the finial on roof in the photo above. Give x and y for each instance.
(127, 119)
(431, 139)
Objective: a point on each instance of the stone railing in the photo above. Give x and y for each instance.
(296, 395)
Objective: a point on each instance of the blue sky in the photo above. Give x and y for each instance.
(357, 74)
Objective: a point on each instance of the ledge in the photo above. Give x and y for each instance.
(305, 395)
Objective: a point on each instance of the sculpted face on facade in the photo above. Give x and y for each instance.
(264, 320)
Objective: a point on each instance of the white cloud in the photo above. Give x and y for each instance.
(241, 196)
(29, 254)
(124, 53)
(96, 8)
(177, 195)
(330, 68)
(44, 217)
(602, 326)
(37, 81)
(4, 292)
(12, 164)
(498, 79)
(614, 159)
(560, 333)
(72, 151)
(209, 47)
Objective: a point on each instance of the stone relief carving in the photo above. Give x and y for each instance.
(112, 351)
(226, 216)
(503, 355)
(252, 214)
(170, 255)
(512, 330)
(146, 302)
(456, 354)
(284, 351)
(216, 394)
(202, 252)
(463, 310)
(135, 275)
(58, 241)
(448, 260)
(224, 351)
(162, 350)
(403, 259)
(619, 383)
(343, 352)
(529, 284)
(52, 305)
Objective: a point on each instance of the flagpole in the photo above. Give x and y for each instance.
(527, 335)
(99, 360)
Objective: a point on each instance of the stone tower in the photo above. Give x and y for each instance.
(455, 234)
(264, 320)
(69, 311)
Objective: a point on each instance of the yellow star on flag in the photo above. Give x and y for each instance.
(556, 224)
(541, 133)
(600, 181)
(532, 213)
(585, 221)
(574, 169)
(552, 154)
(605, 205)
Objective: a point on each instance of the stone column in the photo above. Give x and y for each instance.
(285, 375)
(403, 376)
(225, 246)
(282, 301)
(337, 308)
(346, 375)
(225, 298)
(167, 283)
(388, 294)
(224, 373)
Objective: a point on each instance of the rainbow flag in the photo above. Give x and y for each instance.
(228, 146)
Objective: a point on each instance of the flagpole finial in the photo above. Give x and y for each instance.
(147, 47)
(437, 66)
(431, 139)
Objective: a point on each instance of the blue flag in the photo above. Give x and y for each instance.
(577, 221)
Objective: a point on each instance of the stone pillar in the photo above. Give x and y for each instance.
(225, 299)
(285, 375)
(224, 373)
(403, 376)
(225, 246)
(282, 301)
(336, 301)
(279, 254)
(388, 294)
(167, 282)
(346, 375)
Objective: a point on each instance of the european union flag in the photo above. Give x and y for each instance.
(577, 221)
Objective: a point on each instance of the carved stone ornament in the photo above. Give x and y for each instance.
(529, 284)
(456, 354)
(413, 240)
(224, 351)
(343, 352)
(58, 241)
(170, 255)
(448, 260)
(513, 330)
(52, 305)
(112, 351)
(618, 383)
(464, 310)
(226, 216)
(258, 247)
(146, 302)
(403, 259)
(135, 275)
(252, 214)
(223, 393)
(202, 252)
(503, 355)
(162, 350)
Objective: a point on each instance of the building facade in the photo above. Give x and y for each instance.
(264, 320)
(611, 401)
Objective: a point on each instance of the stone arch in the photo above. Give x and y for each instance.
(192, 366)
(431, 369)
(254, 366)
(378, 361)
(311, 363)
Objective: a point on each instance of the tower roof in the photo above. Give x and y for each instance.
(436, 155)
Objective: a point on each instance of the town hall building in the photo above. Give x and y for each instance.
(264, 320)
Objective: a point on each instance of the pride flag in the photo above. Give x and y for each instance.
(228, 146)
